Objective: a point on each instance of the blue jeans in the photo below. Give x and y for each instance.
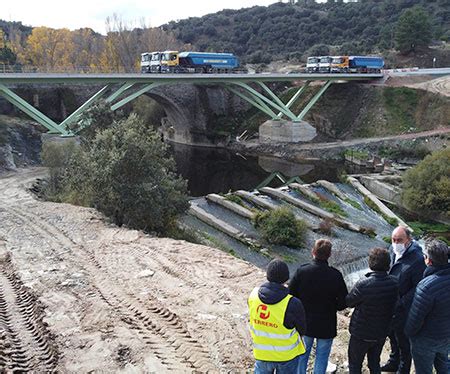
(323, 349)
(427, 352)
(285, 367)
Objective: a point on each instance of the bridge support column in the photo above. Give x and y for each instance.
(282, 131)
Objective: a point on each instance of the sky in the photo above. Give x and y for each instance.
(76, 14)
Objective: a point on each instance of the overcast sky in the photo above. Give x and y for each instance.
(75, 14)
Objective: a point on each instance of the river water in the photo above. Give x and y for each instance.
(215, 170)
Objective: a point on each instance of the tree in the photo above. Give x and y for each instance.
(49, 48)
(124, 170)
(413, 30)
(426, 187)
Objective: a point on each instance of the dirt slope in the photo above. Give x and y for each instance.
(77, 294)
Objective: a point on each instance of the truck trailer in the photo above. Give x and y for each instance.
(189, 62)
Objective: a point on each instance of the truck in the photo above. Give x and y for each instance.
(190, 62)
(312, 64)
(357, 64)
(151, 62)
(325, 64)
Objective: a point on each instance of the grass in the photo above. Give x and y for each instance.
(438, 230)
(391, 220)
(359, 155)
(353, 203)
(332, 207)
(235, 199)
(387, 239)
(216, 243)
(400, 104)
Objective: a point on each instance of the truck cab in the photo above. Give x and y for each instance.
(340, 64)
(151, 62)
(312, 64)
(170, 61)
(325, 64)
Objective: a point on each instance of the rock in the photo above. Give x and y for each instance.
(146, 273)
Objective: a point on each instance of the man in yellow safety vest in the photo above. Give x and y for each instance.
(277, 321)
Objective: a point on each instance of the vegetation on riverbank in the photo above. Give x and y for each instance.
(426, 187)
(123, 170)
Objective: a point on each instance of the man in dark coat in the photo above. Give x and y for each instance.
(374, 299)
(428, 324)
(322, 290)
(407, 266)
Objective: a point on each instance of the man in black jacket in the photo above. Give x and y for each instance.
(407, 266)
(428, 324)
(374, 299)
(322, 290)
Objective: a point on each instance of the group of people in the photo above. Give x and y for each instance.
(405, 296)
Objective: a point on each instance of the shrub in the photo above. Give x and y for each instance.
(123, 169)
(56, 156)
(426, 186)
(280, 226)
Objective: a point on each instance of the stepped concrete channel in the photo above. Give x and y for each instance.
(225, 221)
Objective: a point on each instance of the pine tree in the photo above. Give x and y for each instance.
(413, 30)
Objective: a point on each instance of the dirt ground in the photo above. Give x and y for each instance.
(437, 85)
(79, 295)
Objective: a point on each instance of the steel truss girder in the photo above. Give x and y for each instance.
(313, 100)
(255, 98)
(264, 104)
(27, 108)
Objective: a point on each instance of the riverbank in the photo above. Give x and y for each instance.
(432, 140)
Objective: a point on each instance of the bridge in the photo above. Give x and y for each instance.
(120, 89)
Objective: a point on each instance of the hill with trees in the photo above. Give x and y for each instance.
(285, 31)
(260, 34)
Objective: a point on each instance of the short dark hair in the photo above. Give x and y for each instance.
(379, 259)
(437, 251)
(322, 249)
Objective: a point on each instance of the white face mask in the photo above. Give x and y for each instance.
(398, 248)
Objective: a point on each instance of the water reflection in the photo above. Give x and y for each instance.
(218, 170)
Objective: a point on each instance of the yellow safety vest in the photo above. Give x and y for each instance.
(271, 340)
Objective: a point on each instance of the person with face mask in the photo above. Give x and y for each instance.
(428, 324)
(407, 266)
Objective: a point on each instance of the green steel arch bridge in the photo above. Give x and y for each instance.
(120, 89)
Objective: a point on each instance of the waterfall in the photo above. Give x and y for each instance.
(354, 271)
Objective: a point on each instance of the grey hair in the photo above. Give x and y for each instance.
(437, 251)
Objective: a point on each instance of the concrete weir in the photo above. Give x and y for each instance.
(283, 131)
(230, 222)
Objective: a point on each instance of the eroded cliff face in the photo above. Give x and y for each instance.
(20, 143)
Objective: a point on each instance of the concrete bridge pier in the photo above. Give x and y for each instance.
(284, 131)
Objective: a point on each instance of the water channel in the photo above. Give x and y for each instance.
(212, 170)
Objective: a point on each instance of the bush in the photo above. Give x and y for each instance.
(56, 156)
(426, 186)
(280, 226)
(123, 169)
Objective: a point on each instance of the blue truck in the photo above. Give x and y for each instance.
(194, 62)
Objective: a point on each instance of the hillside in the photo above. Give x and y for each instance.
(287, 31)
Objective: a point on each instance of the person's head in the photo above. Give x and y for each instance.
(401, 235)
(322, 249)
(379, 259)
(277, 272)
(436, 252)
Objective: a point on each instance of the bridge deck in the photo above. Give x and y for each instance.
(14, 78)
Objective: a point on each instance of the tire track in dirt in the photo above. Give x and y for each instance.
(25, 342)
(157, 325)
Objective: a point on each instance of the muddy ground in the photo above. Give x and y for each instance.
(78, 295)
